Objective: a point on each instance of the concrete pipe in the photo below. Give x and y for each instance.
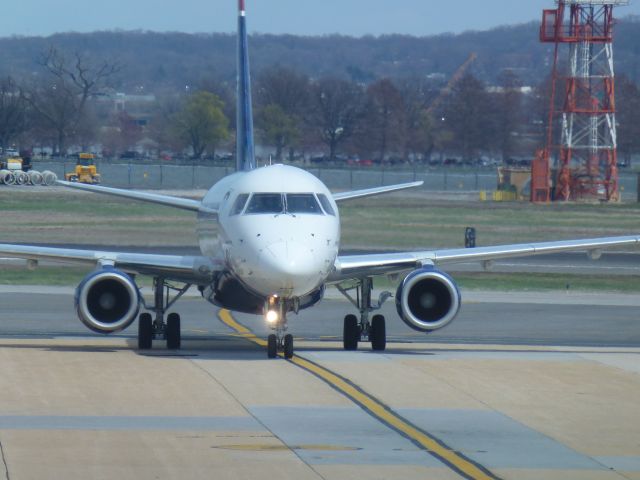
(21, 177)
(35, 177)
(49, 178)
(7, 176)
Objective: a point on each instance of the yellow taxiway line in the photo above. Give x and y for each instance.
(466, 467)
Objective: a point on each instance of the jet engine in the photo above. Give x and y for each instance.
(107, 300)
(427, 299)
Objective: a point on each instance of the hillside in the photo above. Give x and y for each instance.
(172, 60)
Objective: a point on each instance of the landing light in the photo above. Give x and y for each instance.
(272, 316)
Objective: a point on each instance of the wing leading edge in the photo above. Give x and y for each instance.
(166, 200)
(368, 192)
(353, 266)
(189, 269)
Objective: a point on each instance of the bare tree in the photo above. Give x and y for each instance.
(417, 95)
(337, 108)
(283, 97)
(385, 119)
(284, 87)
(509, 112)
(468, 117)
(13, 112)
(61, 99)
(628, 117)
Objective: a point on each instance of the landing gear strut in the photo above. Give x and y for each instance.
(149, 328)
(354, 330)
(276, 317)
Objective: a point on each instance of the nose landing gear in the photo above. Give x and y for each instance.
(276, 317)
(277, 343)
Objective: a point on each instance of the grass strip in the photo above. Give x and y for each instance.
(72, 276)
(51, 276)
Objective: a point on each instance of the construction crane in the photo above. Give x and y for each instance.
(455, 78)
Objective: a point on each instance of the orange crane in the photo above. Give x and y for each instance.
(446, 90)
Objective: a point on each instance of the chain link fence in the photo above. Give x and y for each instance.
(196, 177)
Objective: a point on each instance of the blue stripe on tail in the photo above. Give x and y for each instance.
(245, 156)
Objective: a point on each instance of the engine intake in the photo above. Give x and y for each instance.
(107, 301)
(427, 299)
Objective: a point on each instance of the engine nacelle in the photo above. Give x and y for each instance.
(427, 299)
(107, 300)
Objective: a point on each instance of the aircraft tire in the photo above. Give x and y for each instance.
(378, 333)
(288, 346)
(145, 331)
(173, 331)
(351, 333)
(272, 346)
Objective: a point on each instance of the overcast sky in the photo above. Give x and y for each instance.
(310, 17)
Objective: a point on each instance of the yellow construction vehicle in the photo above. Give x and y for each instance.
(85, 171)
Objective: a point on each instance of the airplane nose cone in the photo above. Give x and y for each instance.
(291, 267)
(290, 259)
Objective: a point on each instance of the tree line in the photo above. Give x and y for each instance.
(332, 118)
(160, 61)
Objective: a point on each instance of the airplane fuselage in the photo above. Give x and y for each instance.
(276, 230)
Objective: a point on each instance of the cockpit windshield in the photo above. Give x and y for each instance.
(277, 203)
(326, 204)
(302, 203)
(239, 204)
(265, 203)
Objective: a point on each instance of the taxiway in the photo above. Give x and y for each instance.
(519, 386)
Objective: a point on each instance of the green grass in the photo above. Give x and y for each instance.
(77, 217)
(53, 276)
(420, 223)
(398, 221)
(506, 282)
(72, 276)
(546, 282)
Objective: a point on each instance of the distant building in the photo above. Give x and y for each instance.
(138, 106)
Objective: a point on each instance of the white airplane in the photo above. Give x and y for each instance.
(269, 240)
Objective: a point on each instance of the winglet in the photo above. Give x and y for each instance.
(245, 156)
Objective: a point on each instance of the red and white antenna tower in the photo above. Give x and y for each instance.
(581, 133)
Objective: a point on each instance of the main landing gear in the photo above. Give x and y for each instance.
(149, 328)
(375, 330)
(276, 317)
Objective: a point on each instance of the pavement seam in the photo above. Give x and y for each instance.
(515, 420)
(4, 462)
(237, 400)
(454, 460)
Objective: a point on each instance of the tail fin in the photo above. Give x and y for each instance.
(245, 156)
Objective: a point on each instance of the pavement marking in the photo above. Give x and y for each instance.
(458, 462)
(227, 319)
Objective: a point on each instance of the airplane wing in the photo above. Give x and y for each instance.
(167, 200)
(368, 192)
(189, 269)
(355, 266)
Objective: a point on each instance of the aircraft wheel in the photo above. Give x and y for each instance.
(272, 346)
(173, 331)
(378, 333)
(351, 333)
(288, 346)
(145, 331)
